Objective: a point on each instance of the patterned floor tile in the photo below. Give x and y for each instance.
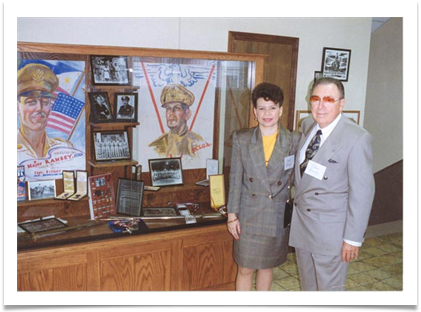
(362, 279)
(378, 268)
(288, 283)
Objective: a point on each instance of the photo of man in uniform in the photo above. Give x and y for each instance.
(36, 84)
(177, 100)
(125, 110)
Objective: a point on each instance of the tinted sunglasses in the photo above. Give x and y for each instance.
(314, 99)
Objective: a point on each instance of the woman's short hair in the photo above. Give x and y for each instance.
(269, 92)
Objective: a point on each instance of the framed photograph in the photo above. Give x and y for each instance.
(335, 63)
(110, 70)
(159, 212)
(129, 197)
(42, 189)
(166, 171)
(42, 225)
(317, 75)
(111, 145)
(100, 107)
(125, 107)
(299, 116)
(354, 115)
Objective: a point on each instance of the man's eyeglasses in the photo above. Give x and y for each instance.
(315, 100)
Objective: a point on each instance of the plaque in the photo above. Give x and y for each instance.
(129, 197)
(217, 191)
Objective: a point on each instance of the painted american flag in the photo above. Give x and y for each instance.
(65, 112)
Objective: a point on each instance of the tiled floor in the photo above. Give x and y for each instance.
(378, 267)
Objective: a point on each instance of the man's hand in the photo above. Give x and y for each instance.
(349, 252)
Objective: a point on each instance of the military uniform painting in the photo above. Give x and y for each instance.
(177, 100)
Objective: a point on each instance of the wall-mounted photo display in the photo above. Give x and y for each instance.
(335, 63)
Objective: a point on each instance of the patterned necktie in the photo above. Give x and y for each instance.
(311, 150)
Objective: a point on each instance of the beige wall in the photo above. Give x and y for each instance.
(384, 103)
(211, 34)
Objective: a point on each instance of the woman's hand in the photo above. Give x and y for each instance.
(234, 226)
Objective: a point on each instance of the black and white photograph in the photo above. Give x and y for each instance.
(100, 107)
(42, 189)
(110, 70)
(166, 171)
(159, 212)
(129, 197)
(111, 145)
(335, 63)
(125, 107)
(42, 225)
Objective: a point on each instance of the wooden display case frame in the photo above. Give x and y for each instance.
(184, 252)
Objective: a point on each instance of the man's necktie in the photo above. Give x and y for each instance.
(311, 150)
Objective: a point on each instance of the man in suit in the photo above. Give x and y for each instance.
(334, 190)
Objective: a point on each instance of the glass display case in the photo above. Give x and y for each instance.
(167, 103)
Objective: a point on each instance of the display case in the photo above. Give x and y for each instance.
(215, 88)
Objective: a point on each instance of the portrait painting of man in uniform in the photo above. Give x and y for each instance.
(125, 106)
(177, 111)
(50, 117)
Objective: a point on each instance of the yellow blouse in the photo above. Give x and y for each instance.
(268, 145)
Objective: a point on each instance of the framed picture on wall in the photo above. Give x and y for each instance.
(110, 70)
(354, 115)
(317, 75)
(299, 116)
(335, 63)
(125, 107)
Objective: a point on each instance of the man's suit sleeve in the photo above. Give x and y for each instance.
(236, 176)
(361, 188)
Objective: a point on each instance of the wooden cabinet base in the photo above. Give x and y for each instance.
(188, 259)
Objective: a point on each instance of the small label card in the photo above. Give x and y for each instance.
(315, 170)
(289, 162)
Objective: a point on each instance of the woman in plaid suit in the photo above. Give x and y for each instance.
(261, 172)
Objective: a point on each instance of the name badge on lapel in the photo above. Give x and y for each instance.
(289, 162)
(315, 170)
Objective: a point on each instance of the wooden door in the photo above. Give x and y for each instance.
(280, 65)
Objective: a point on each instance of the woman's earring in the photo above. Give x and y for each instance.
(255, 118)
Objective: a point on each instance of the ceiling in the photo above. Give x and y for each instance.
(377, 22)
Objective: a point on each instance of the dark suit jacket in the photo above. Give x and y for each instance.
(338, 206)
(258, 193)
